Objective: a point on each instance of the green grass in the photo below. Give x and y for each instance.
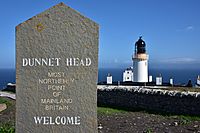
(149, 130)
(7, 128)
(4, 100)
(109, 111)
(184, 119)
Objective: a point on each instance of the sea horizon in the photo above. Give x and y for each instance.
(180, 76)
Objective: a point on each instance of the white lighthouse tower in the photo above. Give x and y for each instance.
(140, 62)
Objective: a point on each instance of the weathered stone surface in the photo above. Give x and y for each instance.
(58, 35)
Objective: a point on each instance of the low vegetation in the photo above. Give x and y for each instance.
(7, 128)
(7, 119)
(149, 130)
(184, 119)
(109, 111)
(6, 101)
(7, 123)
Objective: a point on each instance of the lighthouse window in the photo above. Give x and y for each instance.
(128, 72)
(127, 77)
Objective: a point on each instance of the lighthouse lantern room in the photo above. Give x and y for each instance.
(140, 62)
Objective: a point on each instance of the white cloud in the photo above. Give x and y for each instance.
(189, 28)
(184, 60)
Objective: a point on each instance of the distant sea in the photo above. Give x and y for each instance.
(6, 76)
(180, 76)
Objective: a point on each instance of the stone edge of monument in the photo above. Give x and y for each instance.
(55, 6)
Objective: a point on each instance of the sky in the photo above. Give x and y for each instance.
(170, 28)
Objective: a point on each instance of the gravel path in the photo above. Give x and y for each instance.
(6, 94)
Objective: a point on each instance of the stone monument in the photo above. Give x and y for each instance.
(56, 73)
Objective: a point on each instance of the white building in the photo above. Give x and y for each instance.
(128, 75)
(159, 80)
(198, 80)
(150, 78)
(109, 79)
(171, 81)
(140, 62)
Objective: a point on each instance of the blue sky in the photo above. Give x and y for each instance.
(170, 28)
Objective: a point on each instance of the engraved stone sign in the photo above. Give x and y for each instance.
(56, 73)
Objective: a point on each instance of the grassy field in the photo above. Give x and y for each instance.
(6, 101)
(111, 111)
(7, 122)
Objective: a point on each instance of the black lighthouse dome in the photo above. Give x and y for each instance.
(140, 46)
